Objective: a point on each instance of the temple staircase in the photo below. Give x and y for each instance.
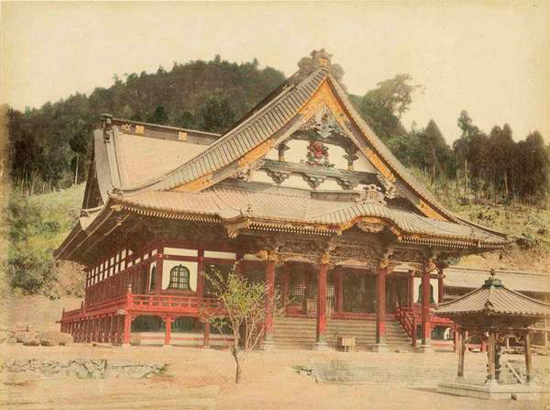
(300, 333)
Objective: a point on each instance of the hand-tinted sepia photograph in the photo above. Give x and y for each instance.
(264, 205)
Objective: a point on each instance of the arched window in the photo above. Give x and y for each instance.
(179, 278)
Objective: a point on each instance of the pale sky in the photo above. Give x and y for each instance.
(490, 58)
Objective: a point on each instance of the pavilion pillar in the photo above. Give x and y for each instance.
(491, 371)
(167, 330)
(456, 338)
(322, 305)
(528, 363)
(426, 320)
(461, 353)
(270, 297)
(206, 337)
(381, 345)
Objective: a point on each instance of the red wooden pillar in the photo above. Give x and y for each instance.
(167, 330)
(127, 329)
(440, 287)
(322, 307)
(200, 269)
(270, 284)
(426, 320)
(206, 339)
(380, 345)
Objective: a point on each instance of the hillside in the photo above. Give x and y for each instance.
(37, 225)
(527, 224)
(50, 145)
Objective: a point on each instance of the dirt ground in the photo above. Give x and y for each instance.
(203, 379)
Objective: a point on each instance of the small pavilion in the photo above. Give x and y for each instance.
(493, 313)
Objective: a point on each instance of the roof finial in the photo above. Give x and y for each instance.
(321, 58)
(492, 280)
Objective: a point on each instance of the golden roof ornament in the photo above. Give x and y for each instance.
(320, 58)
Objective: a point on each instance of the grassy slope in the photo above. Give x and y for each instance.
(62, 207)
(525, 222)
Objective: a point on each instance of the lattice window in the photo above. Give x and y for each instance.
(179, 278)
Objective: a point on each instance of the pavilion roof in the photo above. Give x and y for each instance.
(492, 299)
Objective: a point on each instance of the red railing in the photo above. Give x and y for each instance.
(170, 302)
(410, 317)
(153, 303)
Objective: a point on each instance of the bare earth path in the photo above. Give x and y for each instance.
(203, 379)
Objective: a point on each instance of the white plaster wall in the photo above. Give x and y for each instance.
(180, 251)
(169, 264)
(220, 255)
(297, 151)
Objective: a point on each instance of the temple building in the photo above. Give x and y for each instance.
(300, 192)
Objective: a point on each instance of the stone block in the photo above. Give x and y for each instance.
(26, 338)
(53, 338)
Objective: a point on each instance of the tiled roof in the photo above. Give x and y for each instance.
(493, 299)
(463, 277)
(130, 160)
(272, 204)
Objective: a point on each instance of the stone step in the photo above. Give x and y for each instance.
(289, 332)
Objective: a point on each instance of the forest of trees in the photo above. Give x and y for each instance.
(49, 146)
(490, 165)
